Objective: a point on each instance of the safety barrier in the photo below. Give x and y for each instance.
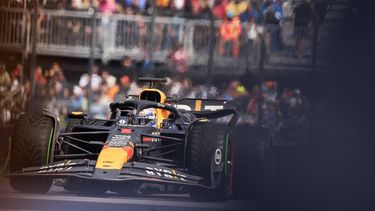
(13, 28)
(69, 33)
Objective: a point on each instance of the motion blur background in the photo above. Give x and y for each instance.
(300, 69)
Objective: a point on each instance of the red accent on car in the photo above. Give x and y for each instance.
(147, 139)
(130, 151)
(126, 131)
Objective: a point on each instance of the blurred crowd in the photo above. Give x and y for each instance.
(264, 104)
(252, 18)
(13, 94)
(243, 22)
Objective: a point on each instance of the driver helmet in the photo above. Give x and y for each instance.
(147, 117)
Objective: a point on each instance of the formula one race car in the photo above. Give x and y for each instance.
(148, 140)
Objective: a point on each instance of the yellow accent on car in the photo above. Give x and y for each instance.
(111, 158)
(203, 120)
(198, 105)
(147, 94)
(77, 113)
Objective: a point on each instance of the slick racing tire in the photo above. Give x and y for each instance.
(31, 146)
(210, 156)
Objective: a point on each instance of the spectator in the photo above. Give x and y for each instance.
(176, 89)
(284, 100)
(134, 88)
(128, 67)
(142, 32)
(26, 85)
(204, 12)
(234, 90)
(252, 106)
(269, 91)
(272, 16)
(108, 79)
(162, 3)
(77, 101)
(187, 90)
(15, 77)
(230, 31)
(5, 82)
(96, 81)
(140, 4)
(158, 35)
(80, 4)
(303, 14)
(107, 6)
(110, 82)
(251, 14)
(195, 7)
(213, 92)
(269, 115)
(147, 66)
(40, 84)
(55, 86)
(129, 11)
(252, 21)
(202, 92)
(219, 9)
(54, 69)
(124, 88)
(179, 8)
(236, 7)
(172, 32)
(178, 58)
(163, 7)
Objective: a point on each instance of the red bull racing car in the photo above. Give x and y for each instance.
(148, 140)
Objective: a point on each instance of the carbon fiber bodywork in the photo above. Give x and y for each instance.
(159, 151)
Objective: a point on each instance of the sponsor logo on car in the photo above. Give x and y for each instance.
(152, 139)
(165, 173)
(119, 140)
(218, 155)
(66, 166)
(122, 122)
(205, 108)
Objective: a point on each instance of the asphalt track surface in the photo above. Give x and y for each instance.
(59, 199)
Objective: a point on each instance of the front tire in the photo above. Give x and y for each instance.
(204, 142)
(31, 146)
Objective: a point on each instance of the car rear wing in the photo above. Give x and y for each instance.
(193, 104)
(207, 108)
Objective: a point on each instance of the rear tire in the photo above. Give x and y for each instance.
(31, 146)
(203, 142)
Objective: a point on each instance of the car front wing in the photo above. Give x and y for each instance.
(130, 172)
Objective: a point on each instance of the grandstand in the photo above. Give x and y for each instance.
(67, 32)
